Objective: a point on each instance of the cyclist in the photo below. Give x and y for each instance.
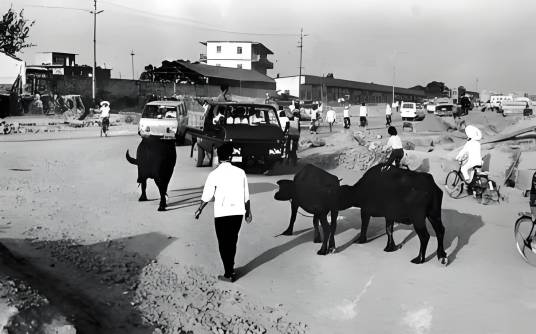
(105, 115)
(470, 155)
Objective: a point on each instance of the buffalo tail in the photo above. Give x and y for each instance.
(131, 159)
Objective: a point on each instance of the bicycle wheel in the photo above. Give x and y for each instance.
(524, 234)
(454, 184)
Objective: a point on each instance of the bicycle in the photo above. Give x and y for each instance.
(105, 124)
(480, 184)
(525, 237)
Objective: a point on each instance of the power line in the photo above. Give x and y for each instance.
(198, 24)
(59, 7)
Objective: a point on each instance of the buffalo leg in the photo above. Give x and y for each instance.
(391, 246)
(331, 245)
(318, 238)
(143, 196)
(294, 211)
(162, 190)
(439, 229)
(365, 219)
(424, 236)
(325, 229)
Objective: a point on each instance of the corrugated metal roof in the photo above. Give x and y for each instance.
(229, 73)
(342, 83)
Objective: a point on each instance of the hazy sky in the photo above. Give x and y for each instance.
(454, 41)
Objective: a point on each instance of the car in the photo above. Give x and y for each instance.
(254, 130)
(163, 119)
(420, 113)
(445, 107)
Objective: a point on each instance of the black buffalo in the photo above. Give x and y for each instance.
(156, 160)
(399, 195)
(316, 191)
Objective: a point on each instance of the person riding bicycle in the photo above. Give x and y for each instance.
(470, 155)
(105, 113)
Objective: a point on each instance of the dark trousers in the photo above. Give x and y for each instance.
(387, 120)
(396, 156)
(292, 148)
(346, 122)
(362, 121)
(227, 229)
(330, 126)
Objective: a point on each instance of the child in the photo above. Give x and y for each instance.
(395, 144)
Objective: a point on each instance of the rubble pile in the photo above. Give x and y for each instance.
(24, 310)
(191, 300)
(185, 302)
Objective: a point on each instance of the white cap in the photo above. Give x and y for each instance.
(473, 132)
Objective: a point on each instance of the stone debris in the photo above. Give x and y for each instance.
(187, 301)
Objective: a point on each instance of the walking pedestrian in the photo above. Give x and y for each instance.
(346, 116)
(388, 112)
(228, 185)
(293, 138)
(331, 116)
(363, 115)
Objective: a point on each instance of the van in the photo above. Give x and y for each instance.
(408, 111)
(163, 119)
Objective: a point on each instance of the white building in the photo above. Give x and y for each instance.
(55, 58)
(238, 54)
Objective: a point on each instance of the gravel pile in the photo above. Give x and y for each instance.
(182, 300)
(27, 311)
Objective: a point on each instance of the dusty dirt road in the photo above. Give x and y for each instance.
(69, 207)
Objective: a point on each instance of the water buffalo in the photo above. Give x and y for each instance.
(401, 196)
(156, 160)
(384, 191)
(314, 190)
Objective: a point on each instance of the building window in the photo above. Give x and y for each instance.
(238, 65)
(218, 48)
(239, 50)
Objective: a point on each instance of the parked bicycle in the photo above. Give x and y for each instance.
(525, 237)
(479, 186)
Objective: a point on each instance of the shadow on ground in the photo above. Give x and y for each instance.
(91, 285)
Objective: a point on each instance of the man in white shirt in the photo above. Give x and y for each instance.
(346, 116)
(388, 113)
(229, 187)
(331, 116)
(363, 115)
(314, 121)
(470, 155)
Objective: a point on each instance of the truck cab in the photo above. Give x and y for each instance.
(253, 129)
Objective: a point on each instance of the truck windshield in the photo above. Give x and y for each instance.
(155, 111)
(246, 115)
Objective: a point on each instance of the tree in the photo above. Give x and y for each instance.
(14, 31)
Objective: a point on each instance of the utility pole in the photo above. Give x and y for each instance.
(476, 90)
(94, 76)
(301, 55)
(394, 71)
(132, 55)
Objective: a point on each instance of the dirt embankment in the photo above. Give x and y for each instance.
(107, 288)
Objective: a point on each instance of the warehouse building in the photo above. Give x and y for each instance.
(330, 89)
